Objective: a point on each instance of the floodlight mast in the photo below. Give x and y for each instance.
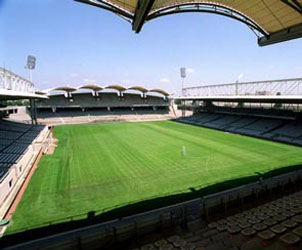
(30, 75)
(237, 84)
(183, 76)
(30, 65)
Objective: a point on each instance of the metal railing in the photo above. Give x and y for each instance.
(291, 86)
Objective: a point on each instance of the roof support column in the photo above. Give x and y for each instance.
(33, 111)
(121, 95)
(142, 10)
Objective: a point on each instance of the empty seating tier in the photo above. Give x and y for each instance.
(282, 130)
(273, 225)
(15, 138)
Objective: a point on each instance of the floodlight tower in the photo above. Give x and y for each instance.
(237, 84)
(30, 65)
(183, 76)
(236, 87)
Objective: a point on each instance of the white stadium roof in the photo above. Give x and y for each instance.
(138, 88)
(12, 95)
(116, 87)
(91, 86)
(13, 86)
(98, 88)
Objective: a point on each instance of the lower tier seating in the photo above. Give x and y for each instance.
(15, 138)
(282, 130)
(275, 225)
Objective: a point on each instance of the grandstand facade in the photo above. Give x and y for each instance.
(76, 106)
(268, 109)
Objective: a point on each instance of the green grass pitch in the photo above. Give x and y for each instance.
(102, 166)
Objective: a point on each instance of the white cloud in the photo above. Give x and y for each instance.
(239, 77)
(164, 80)
(190, 70)
(89, 80)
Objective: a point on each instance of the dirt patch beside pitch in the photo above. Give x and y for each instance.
(52, 146)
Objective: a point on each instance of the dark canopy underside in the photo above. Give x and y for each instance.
(272, 20)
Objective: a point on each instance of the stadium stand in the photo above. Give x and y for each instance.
(293, 129)
(276, 224)
(283, 128)
(106, 106)
(104, 100)
(16, 149)
(253, 110)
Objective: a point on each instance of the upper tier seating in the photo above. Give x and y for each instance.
(252, 111)
(103, 100)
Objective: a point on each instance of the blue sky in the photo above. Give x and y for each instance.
(76, 44)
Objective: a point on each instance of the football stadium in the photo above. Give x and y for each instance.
(134, 166)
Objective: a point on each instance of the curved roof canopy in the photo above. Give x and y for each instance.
(41, 92)
(138, 88)
(64, 88)
(99, 88)
(272, 20)
(116, 87)
(160, 91)
(91, 86)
